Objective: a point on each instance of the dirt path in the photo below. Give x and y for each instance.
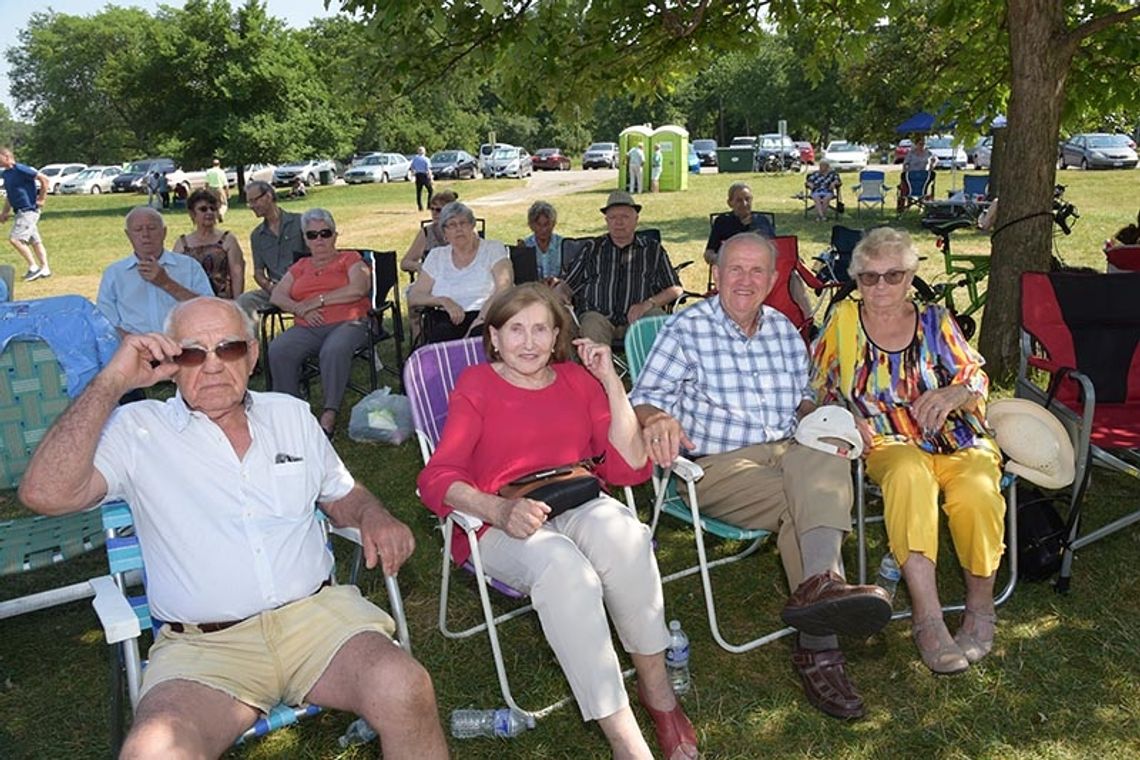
(549, 184)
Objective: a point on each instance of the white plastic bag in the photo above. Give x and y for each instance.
(381, 416)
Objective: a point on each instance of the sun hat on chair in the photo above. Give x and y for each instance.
(1035, 441)
(831, 429)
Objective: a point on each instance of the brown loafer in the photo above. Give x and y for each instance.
(825, 604)
(826, 684)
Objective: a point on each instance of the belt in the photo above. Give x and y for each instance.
(26, 210)
(214, 627)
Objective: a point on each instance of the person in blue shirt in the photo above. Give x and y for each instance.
(24, 202)
(541, 218)
(421, 167)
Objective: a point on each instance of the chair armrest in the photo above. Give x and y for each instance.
(349, 534)
(465, 521)
(118, 618)
(687, 470)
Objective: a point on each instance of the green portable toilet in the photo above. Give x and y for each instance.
(639, 134)
(674, 142)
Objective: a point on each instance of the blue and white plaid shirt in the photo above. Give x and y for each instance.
(726, 389)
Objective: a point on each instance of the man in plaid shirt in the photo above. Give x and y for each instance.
(725, 383)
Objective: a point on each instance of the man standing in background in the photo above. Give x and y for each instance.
(26, 202)
(216, 181)
(421, 167)
(635, 159)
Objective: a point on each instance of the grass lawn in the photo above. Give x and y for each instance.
(1063, 681)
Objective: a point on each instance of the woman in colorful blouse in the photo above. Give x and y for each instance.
(917, 390)
(328, 295)
(823, 185)
(216, 250)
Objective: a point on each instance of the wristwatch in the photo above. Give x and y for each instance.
(322, 297)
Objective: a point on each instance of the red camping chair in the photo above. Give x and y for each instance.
(781, 297)
(1080, 358)
(1123, 258)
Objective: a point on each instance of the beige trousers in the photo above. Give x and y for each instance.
(595, 326)
(583, 563)
(782, 487)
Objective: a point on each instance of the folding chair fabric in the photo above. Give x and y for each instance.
(1123, 258)
(871, 191)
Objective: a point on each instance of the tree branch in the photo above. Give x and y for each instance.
(1100, 23)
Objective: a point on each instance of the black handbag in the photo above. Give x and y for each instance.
(560, 488)
(1041, 534)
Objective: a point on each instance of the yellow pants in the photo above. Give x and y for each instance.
(971, 482)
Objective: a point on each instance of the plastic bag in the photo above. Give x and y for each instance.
(381, 416)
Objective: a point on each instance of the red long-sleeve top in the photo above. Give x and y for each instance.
(497, 432)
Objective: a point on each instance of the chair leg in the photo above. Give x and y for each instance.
(115, 698)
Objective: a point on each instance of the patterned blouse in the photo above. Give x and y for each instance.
(216, 262)
(823, 182)
(880, 385)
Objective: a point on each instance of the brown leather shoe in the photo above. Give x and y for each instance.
(826, 684)
(825, 604)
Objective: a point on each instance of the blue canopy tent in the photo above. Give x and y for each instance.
(921, 122)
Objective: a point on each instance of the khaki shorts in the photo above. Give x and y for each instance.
(24, 227)
(276, 656)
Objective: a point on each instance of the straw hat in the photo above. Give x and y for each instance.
(620, 198)
(831, 429)
(1037, 444)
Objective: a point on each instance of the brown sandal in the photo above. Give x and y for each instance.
(673, 728)
(975, 647)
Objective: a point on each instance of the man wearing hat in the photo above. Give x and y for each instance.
(620, 277)
(726, 383)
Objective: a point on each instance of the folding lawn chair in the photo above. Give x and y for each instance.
(781, 297)
(1122, 258)
(871, 191)
(1080, 358)
(919, 187)
(124, 616)
(49, 350)
(638, 341)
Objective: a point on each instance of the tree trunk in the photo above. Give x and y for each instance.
(1040, 56)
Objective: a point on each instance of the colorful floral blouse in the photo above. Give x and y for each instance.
(880, 386)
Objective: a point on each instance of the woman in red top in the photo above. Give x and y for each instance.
(328, 295)
(531, 408)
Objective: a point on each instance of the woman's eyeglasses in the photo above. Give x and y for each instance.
(435, 209)
(227, 351)
(204, 209)
(871, 279)
(314, 234)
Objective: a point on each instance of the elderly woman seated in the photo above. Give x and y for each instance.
(541, 218)
(431, 235)
(533, 409)
(823, 186)
(328, 295)
(460, 278)
(216, 250)
(917, 390)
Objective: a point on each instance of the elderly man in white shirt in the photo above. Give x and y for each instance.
(224, 484)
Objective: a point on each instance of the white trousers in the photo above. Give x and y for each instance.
(594, 558)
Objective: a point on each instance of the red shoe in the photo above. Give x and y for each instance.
(673, 728)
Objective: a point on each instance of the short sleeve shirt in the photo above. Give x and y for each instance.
(471, 286)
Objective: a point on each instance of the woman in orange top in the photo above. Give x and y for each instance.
(328, 295)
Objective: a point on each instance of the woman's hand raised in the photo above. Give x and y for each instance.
(597, 359)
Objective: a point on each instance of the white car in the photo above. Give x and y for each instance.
(845, 156)
(380, 167)
(983, 153)
(308, 171)
(57, 173)
(947, 154)
(259, 172)
(92, 180)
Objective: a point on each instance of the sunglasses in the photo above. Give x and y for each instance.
(314, 234)
(227, 351)
(436, 209)
(871, 279)
(204, 209)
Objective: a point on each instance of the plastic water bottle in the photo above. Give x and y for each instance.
(359, 732)
(889, 575)
(677, 659)
(503, 723)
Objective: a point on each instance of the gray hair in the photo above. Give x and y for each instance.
(881, 243)
(143, 210)
(541, 208)
(248, 328)
(749, 238)
(736, 187)
(263, 186)
(454, 209)
(317, 215)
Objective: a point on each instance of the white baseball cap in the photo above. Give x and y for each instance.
(831, 429)
(1037, 444)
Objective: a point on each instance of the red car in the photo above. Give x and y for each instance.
(807, 152)
(551, 159)
(902, 149)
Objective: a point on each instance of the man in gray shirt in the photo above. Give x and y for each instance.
(276, 243)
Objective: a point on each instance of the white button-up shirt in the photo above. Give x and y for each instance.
(223, 538)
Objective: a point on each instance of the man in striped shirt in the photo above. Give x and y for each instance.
(726, 383)
(620, 277)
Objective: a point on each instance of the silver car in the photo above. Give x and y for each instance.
(379, 167)
(308, 171)
(1098, 150)
(92, 180)
(57, 173)
(509, 162)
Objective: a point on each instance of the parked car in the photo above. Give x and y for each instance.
(130, 180)
(706, 151)
(902, 149)
(309, 172)
(550, 159)
(946, 153)
(781, 146)
(92, 180)
(694, 160)
(380, 167)
(1098, 150)
(982, 153)
(846, 156)
(57, 173)
(509, 162)
(807, 152)
(485, 152)
(253, 172)
(600, 155)
(744, 141)
(454, 164)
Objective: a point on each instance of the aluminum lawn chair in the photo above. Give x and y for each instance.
(871, 191)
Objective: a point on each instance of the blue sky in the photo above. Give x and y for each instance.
(15, 13)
